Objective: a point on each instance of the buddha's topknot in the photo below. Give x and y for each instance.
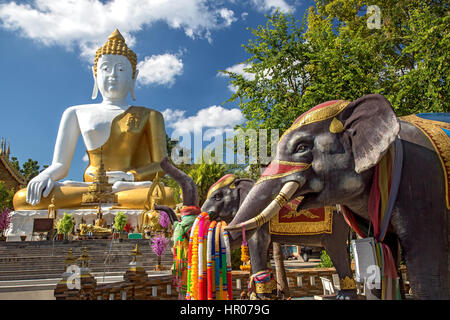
(116, 45)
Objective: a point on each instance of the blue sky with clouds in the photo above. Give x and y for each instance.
(47, 50)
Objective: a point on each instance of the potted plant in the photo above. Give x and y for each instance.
(5, 221)
(119, 223)
(65, 226)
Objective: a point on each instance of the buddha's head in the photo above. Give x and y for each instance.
(114, 69)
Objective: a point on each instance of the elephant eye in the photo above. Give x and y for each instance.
(301, 148)
(217, 197)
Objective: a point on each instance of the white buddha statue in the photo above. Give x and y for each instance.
(131, 140)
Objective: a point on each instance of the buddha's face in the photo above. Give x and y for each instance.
(114, 76)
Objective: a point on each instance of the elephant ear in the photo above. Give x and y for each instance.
(243, 186)
(370, 127)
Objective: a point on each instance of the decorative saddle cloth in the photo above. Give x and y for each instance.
(436, 127)
(305, 222)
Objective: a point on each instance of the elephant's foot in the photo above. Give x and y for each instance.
(349, 294)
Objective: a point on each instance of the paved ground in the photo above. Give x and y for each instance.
(28, 295)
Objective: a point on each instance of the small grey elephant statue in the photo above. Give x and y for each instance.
(228, 193)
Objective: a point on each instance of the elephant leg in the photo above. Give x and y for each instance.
(336, 246)
(425, 252)
(258, 246)
(283, 287)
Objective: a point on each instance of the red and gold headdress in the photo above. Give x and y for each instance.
(323, 111)
(226, 180)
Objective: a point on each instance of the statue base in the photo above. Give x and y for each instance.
(22, 220)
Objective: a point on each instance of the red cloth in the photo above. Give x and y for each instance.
(190, 210)
(374, 204)
(276, 168)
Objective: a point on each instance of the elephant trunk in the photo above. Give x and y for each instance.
(188, 187)
(250, 209)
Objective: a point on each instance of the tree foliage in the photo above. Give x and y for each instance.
(203, 174)
(65, 224)
(6, 196)
(120, 220)
(333, 54)
(29, 169)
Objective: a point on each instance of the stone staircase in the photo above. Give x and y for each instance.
(30, 260)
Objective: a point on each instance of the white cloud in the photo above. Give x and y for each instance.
(215, 117)
(171, 116)
(85, 158)
(227, 15)
(272, 5)
(159, 69)
(238, 69)
(86, 24)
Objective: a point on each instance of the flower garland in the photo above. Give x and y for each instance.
(209, 261)
(182, 230)
(245, 254)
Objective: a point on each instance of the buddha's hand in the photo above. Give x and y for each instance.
(114, 176)
(39, 186)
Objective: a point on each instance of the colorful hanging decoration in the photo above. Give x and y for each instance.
(245, 254)
(262, 282)
(181, 247)
(208, 261)
(383, 194)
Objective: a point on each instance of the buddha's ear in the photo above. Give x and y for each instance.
(95, 89)
(133, 85)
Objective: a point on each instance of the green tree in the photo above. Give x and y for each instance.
(325, 260)
(333, 54)
(29, 169)
(271, 97)
(6, 196)
(406, 59)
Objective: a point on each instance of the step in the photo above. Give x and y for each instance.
(50, 283)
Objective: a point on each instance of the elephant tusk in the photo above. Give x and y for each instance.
(272, 209)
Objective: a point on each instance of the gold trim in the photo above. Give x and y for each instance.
(318, 115)
(347, 283)
(229, 180)
(290, 163)
(303, 228)
(266, 287)
(281, 199)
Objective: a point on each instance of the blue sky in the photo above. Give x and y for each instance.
(47, 51)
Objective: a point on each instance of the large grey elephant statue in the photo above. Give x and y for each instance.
(226, 196)
(330, 156)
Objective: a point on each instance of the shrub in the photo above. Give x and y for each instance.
(120, 221)
(325, 260)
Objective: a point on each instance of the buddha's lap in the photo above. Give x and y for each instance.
(70, 197)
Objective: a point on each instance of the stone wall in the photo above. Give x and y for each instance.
(137, 285)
